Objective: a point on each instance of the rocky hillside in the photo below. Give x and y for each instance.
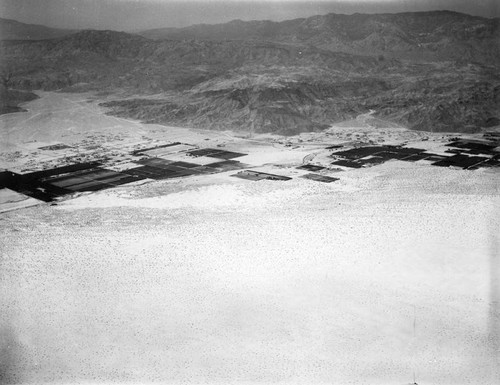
(280, 85)
(107, 59)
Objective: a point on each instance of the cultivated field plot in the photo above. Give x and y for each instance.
(227, 165)
(160, 161)
(474, 146)
(348, 163)
(216, 153)
(145, 163)
(463, 155)
(98, 151)
(92, 180)
(101, 158)
(462, 161)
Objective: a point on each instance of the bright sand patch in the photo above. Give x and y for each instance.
(258, 282)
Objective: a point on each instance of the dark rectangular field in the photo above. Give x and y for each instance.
(310, 167)
(161, 172)
(406, 150)
(226, 165)
(67, 181)
(33, 188)
(158, 162)
(47, 185)
(360, 152)
(390, 155)
(215, 153)
(61, 170)
(205, 170)
(184, 164)
(145, 172)
(6, 178)
(92, 180)
(319, 178)
(388, 152)
(166, 164)
(89, 185)
(458, 160)
(347, 163)
(228, 155)
(203, 152)
(95, 173)
(482, 148)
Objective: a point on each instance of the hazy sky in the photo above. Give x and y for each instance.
(145, 14)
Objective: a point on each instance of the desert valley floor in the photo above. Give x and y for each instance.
(386, 275)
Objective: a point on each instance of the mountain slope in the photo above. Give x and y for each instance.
(220, 85)
(116, 59)
(439, 35)
(15, 30)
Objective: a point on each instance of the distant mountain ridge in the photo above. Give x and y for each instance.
(284, 86)
(437, 35)
(15, 30)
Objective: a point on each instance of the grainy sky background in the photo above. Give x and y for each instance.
(132, 15)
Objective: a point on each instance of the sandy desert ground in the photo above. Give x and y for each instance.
(388, 273)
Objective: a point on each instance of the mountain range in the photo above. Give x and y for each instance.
(435, 71)
(15, 30)
(442, 35)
